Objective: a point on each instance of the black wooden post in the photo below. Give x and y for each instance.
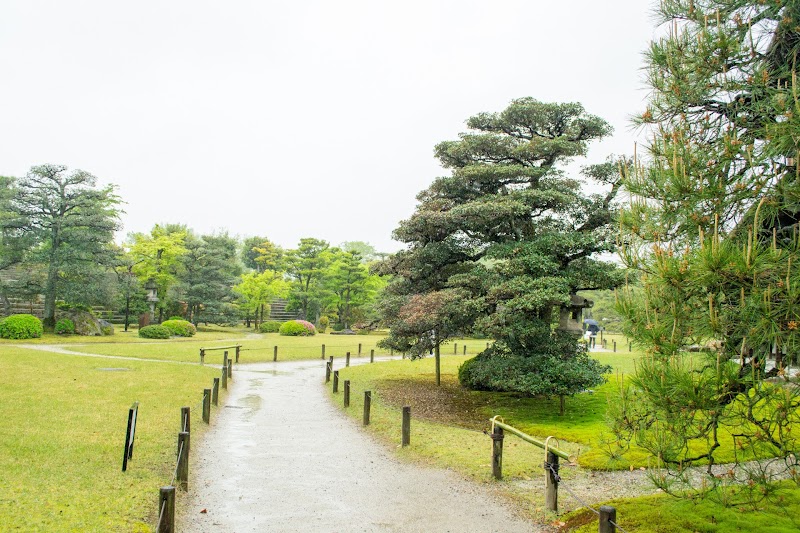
(614, 344)
(465, 349)
(225, 358)
(202, 355)
(347, 359)
(497, 452)
(630, 346)
(207, 406)
(367, 405)
(166, 510)
(186, 424)
(230, 369)
(551, 482)
(359, 349)
(335, 381)
(323, 351)
(406, 437)
(182, 472)
(225, 377)
(215, 392)
(372, 356)
(347, 393)
(275, 353)
(455, 348)
(608, 519)
(327, 371)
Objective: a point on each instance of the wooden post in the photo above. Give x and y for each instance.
(465, 349)
(327, 371)
(186, 424)
(551, 483)
(323, 351)
(372, 356)
(275, 353)
(367, 405)
(359, 349)
(225, 358)
(497, 452)
(207, 406)
(391, 351)
(225, 377)
(335, 381)
(215, 392)
(347, 359)
(182, 472)
(406, 437)
(614, 344)
(630, 346)
(238, 348)
(347, 393)
(230, 368)
(455, 348)
(608, 519)
(166, 510)
(202, 356)
(601, 336)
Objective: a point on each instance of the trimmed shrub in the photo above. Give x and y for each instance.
(294, 328)
(176, 317)
(180, 327)
(155, 332)
(64, 326)
(21, 327)
(270, 326)
(323, 323)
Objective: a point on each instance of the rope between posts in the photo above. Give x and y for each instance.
(161, 514)
(175, 474)
(560, 481)
(199, 405)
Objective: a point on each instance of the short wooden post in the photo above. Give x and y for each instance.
(465, 349)
(347, 393)
(275, 353)
(551, 482)
(601, 336)
(335, 381)
(404, 355)
(497, 452)
(207, 406)
(630, 346)
(327, 371)
(186, 423)
(323, 351)
(166, 510)
(455, 348)
(608, 519)
(225, 377)
(238, 348)
(614, 344)
(225, 358)
(215, 392)
(182, 471)
(230, 368)
(347, 359)
(372, 356)
(391, 351)
(359, 349)
(406, 437)
(367, 405)
(202, 356)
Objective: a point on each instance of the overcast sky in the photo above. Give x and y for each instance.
(304, 118)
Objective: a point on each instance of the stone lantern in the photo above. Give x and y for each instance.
(152, 297)
(571, 315)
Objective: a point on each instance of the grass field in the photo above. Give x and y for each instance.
(63, 430)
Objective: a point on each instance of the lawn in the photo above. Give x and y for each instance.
(63, 429)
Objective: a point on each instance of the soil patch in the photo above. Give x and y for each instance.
(449, 403)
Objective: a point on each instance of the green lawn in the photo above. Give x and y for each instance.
(63, 429)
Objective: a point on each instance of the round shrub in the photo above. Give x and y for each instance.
(176, 317)
(21, 327)
(294, 328)
(64, 326)
(180, 327)
(323, 323)
(270, 326)
(155, 332)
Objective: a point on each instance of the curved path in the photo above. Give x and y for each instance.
(280, 457)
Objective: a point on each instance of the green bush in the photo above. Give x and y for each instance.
(176, 317)
(270, 326)
(323, 323)
(155, 332)
(64, 326)
(21, 327)
(294, 328)
(180, 327)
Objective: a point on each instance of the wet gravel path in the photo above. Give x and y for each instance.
(280, 457)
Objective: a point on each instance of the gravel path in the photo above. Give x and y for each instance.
(280, 457)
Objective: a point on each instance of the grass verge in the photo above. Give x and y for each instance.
(61, 439)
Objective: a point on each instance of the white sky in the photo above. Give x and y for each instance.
(304, 118)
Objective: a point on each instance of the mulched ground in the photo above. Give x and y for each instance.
(449, 403)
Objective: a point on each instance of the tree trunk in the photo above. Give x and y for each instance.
(437, 356)
(127, 311)
(49, 321)
(561, 405)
